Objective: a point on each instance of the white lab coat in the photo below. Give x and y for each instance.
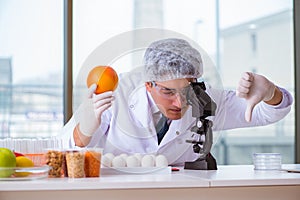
(127, 127)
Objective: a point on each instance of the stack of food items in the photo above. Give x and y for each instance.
(81, 163)
(76, 163)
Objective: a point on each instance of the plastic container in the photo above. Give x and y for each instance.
(267, 161)
(75, 163)
(92, 162)
(56, 160)
(28, 173)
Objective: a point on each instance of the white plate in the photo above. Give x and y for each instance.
(135, 170)
(38, 172)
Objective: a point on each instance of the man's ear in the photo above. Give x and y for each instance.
(148, 86)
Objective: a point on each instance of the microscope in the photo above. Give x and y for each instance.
(202, 107)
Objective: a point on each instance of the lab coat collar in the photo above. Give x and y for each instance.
(139, 102)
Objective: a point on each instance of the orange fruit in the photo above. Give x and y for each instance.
(105, 77)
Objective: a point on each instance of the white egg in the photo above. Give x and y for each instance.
(110, 155)
(124, 155)
(138, 156)
(118, 161)
(161, 161)
(105, 161)
(132, 161)
(148, 161)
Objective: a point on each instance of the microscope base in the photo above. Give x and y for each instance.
(209, 163)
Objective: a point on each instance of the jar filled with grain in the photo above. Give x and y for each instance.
(75, 163)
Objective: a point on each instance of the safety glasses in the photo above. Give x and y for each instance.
(170, 93)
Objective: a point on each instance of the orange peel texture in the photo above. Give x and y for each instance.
(105, 77)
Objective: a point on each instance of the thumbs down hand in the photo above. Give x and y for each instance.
(254, 88)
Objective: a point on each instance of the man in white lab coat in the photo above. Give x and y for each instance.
(126, 120)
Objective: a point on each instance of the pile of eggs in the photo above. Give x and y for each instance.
(136, 160)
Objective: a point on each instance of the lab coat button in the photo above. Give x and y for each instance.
(131, 106)
(177, 132)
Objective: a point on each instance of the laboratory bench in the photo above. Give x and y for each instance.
(228, 182)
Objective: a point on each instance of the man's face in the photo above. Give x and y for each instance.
(170, 96)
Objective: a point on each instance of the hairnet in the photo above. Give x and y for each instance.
(170, 59)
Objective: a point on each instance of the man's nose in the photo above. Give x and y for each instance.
(178, 100)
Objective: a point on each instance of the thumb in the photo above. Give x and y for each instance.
(248, 113)
(91, 90)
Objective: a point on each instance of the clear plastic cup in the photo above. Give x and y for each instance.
(92, 163)
(75, 163)
(55, 159)
(267, 161)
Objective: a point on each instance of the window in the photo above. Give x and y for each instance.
(249, 43)
(31, 65)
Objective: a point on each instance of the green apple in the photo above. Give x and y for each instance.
(7, 159)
